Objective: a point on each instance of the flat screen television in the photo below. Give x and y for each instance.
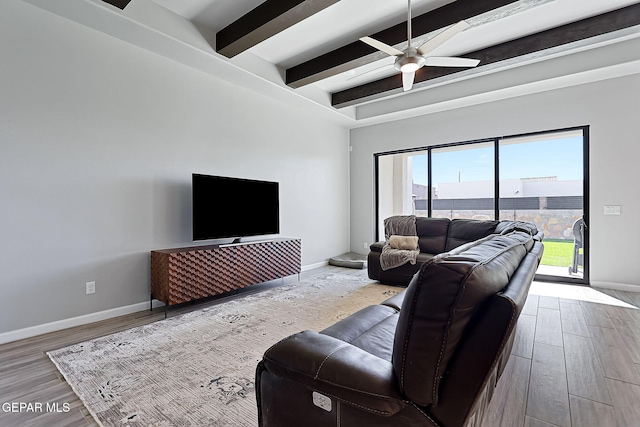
(231, 207)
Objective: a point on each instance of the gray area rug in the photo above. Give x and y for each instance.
(198, 369)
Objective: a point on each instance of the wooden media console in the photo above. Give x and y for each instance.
(187, 274)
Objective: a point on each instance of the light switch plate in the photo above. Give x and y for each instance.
(321, 401)
(612, 209)
(91, 287)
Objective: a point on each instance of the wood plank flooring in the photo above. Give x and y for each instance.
(27, 374)
(575, 361)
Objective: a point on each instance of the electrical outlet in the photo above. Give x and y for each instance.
(91, 287)
(366, 245)
(612, 209)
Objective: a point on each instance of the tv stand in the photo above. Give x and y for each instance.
(186, 274)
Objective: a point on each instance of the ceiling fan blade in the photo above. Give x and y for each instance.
(407, 80)
(436, 41)
(447, 61)
(389, 50)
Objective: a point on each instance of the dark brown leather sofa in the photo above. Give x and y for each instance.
(430, 356)
(438, 235)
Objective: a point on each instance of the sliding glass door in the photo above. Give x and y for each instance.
(402, 185)
(542, 181)
(538, 178)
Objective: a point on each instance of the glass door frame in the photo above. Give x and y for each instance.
(584, 280)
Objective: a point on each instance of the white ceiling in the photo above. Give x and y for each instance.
(195, 22)
(348, 20)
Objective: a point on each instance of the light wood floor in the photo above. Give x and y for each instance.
(575, 362)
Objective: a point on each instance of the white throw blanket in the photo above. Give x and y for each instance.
(404, 225)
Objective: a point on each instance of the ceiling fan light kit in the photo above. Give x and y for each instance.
(411, 59)
(409, 62)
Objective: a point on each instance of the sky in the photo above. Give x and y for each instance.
(554, 157)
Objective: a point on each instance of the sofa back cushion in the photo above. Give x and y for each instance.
(439, 303)
(432, 234)
(467, 230)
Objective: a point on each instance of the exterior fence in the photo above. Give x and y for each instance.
(554, 215)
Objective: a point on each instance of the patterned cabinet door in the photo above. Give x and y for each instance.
(223, 269)
(281, 258)
(190, 275)
(264, 261)
(182, 275)
(247, 269)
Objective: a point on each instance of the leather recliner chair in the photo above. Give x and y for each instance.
(430, 356)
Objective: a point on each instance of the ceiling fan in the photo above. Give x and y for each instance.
(412, 59)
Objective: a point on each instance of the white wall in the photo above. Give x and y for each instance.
(98, 141)
(610, 107)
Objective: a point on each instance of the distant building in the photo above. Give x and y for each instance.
(524, 187)
(419, 191)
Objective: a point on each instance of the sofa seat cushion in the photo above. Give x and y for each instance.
(371, 329)
(439, 303)
(378, 340)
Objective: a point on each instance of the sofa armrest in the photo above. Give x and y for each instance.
(377, 246)
(337, 369)
(395, 301)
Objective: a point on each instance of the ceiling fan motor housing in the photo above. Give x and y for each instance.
(410, 61)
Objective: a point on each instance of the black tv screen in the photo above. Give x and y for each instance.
(232, 207)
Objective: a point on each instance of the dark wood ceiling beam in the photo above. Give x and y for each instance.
(266, 20)
(601, 24)
(120, 4)
(357, 53)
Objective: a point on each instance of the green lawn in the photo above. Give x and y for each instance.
(558, 253)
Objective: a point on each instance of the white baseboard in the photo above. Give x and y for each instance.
(32, 331)
(316, 265)
(59, 325)
(615, 286)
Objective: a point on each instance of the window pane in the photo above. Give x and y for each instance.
(463, 181)
(420, 181)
